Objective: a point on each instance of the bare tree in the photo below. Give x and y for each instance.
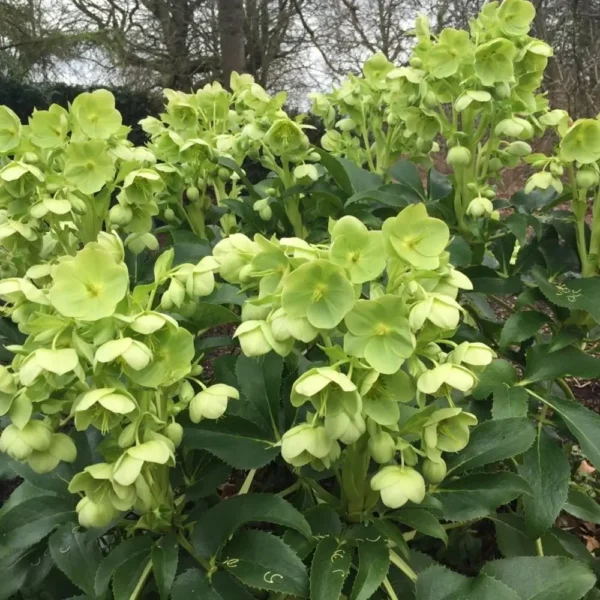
(231, 29)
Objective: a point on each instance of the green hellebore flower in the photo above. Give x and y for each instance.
(587, 178)
(57, 361)
(345, 427)
(150, 322)
(398, 485)
(285, 137)
(441, 310)
(199, 280)
(382, 447)
(21, 443)
(211, 403)
(454, 376)
(174, 432)
(379, 332)
(459, 156)
(377, 66)
(95, 514)
(129, 465)
(415, 237)
(480, 207)
(49, 128)
(303, 443)
(444, 59)
(62, 448)
(88, 166)
(95, 481)
(96, 114)
(234, 254)
(10, 130)
(382, 393)
(136, 354)
(516, 16)
(581, 143)
(316, 385)
(448, 429)
(434, 467)
(283, 327)
(103, 408)
(256, 339)
(494, 61)
(20, 179)
(319, 291)
(357, 249)
(306, 173)
(142, 185)
(173, 351)
(90, 286)
(475, 354)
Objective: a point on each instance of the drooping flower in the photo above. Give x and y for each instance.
(448, 374)
(582, 142)
(211, 403)
(447, 429)
(397, 485)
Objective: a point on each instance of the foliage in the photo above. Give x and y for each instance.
(382, 409)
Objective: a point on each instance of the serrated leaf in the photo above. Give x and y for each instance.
(476, 496)
(259, 381)
(209, 315)
(439, 583)
(521, 326)
(165, 555)
(220, 522)
(580, 505)
(583, 423)
(543, 365)
(239, 443)
(499, 372)
(543, 577)
(263, 561)
(14, 571)
(546, 469)
(392, 532)
(330, 568)
(420, 520)
(76, 556)
(373, 567)
(211, 472)
(511, 537)
(33, 519)
(193, 584)
(50, 482)
(188, 247)
(509, 402)
(493, 441)
(129, 575)
(135, 546)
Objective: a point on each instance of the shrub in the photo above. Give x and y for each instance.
(375, 399)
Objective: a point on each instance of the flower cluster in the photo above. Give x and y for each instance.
(382, 304)
(100, 356)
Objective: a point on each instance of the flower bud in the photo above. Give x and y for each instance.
(458, 157)
(120, 215)
(174, 432)
(434, 471)
(169, 214)
(382, 447)
(519, 149)
(587, 178)
(92, 514)
(303, 443)
(398, 485)
(502, 90)
(306, 173)
(192, 193)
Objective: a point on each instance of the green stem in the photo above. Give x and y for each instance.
(247, 482)
(579, 207)
(289, 490)
(389, 589)
(187, 546)
(538, 547)
(141, 581)
(595, 239)
(562, 384)
(401, 564)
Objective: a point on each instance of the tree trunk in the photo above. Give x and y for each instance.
(231, 31)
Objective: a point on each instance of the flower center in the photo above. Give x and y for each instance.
(319, 291)
(382, 329)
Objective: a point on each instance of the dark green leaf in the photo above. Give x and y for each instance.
(211, 473)
(165, 556)
(580, 505)
(460, 252)
(32, 520)
(407, 174)
(543, 577)
(487, 281)
(14, 571)
(522, 326)
(323, 520)
(422, 521)
(510, 402)
(138, 547)
(228, 587)
(580, 294)
(76, 556)
(476, 496)
(330, 568)
(543, 365)
(263, 561)
(193, 585)
(511, 537)
(392, 532)
(50, 482)
(129, 575)
(373, 566)
(499, 372)
(209, 315)
(439, 583)
(493, 441)
(212, 343)
(219, 523)
(535, 200)
(391, 194)
(582, 423)
(546, 469)
(237, 442)
(189, 248)
(259, 381)
(226, 294)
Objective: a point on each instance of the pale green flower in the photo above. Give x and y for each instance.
(10, 130)
(494, 61)
(129, 465)
(303, 443)
(381, 395)
(103, 408)
(448, 429)
(397, 485)
(49, 128)
(62, 448)
(211, 403)
(582, 142)
(450, 375)
(89, 286)
(96, 114)
(21, 443)
(88, 166)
